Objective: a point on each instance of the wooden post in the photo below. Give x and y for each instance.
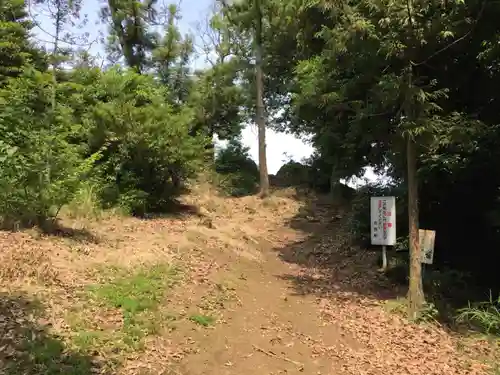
(384, 258)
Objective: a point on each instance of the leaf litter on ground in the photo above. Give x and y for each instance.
(347, 287)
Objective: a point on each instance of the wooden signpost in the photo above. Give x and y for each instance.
(427, 239)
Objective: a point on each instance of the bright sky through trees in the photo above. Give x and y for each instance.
(280, 147)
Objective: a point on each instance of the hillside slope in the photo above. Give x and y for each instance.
(228, 286)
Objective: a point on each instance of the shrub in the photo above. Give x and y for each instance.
(293, 174)
(149, 150)
(238, 173)
(40, 170)
(86, 201)
(114, 129)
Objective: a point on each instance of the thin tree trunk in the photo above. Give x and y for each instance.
(416, 296)
(261, 121)
(53, 96)
(415, 291)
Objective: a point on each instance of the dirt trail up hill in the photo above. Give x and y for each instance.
(231, 286)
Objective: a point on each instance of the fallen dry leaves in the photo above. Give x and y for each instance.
(350, 294)
(366, 339)
(388, 344)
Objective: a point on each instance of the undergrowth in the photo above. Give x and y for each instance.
(484, 316)
(137, 292)
(236, 174)
(133, 305)
(399, 306)
(86, 202)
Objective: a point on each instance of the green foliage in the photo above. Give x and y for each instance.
(136, 296)
(86, 202)
(293, 174)
(129, 35)
(138, 292)
(217, 101)
(171, 56)
(41, 169)
(149, 148)
(485, 315)
(114, 129)
(16, 50)
(135, 135)
(239, 174)
(202, 320)
(213, 94)
(345, 70)
(429, 312)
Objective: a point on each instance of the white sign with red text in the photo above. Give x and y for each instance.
(383, 220)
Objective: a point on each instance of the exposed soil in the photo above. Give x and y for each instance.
(286, 291)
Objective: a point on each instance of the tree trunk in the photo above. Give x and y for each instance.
(415, 291)
(261, 121)
(53, 98)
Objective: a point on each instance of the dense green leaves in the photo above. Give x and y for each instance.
(40, 169)
(134, 133)
(149, 146)
(238, 173)
(359, 76)
(15, 49)
(218, 102)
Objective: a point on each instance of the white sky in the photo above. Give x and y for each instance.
(280, 147)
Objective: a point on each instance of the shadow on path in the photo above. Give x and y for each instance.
(27, 348)
(331, 265)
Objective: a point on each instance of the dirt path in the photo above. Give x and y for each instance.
(269, 331)
(312, 306)
(273, 328)
(249, 286)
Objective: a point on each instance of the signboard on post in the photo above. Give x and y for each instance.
(427, 239)
(383, 221)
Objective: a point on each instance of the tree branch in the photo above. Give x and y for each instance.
(457, 40)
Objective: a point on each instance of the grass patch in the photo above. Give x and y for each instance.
(86, 203)
(102, 341)
(124, 309)
(129, 336)
(396, 306)
(483, 316)
(137, 292)
(202, 320)
(47, 356)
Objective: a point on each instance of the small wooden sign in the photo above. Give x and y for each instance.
(427, 239)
